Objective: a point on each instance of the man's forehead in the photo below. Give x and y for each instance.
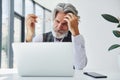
(61, 20)
(60, 17)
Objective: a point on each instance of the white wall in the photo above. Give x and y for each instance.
(96, 31)
(50, 4)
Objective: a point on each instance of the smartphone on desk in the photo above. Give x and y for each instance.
(95, 75)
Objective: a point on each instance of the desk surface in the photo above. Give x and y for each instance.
(12, 74)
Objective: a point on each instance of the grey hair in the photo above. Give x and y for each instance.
(66, 8)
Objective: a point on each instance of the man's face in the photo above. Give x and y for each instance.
(60, 26)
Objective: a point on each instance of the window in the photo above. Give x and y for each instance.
(17, 29)
(39, 25)
(13, 27)
(48, 24)
(4, 48)
(18, 6)
(28, 7)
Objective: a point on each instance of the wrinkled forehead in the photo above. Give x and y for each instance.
(60, 16)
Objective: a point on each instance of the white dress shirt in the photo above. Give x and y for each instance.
(80, 59)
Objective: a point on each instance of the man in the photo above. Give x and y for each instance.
(65, 29)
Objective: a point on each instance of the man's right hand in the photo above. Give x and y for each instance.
(30, 25)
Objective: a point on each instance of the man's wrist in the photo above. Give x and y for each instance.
(75, 33)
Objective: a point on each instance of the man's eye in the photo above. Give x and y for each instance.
(64, 24)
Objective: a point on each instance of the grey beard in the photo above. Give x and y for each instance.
(58, 35)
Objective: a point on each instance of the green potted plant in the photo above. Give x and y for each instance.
(116, 33)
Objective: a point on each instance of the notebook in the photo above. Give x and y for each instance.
(44, 59)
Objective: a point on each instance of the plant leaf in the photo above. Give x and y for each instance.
(110, 18)
(118, 26)
(116, 33)
(113, 47)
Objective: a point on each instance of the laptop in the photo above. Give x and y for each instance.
(44, 59)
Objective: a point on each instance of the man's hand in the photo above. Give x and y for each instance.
(72, 21)
(30, 24)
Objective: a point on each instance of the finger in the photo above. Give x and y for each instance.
(29, 19)
(32, 15)
(67, 20)
(71, 15)
(68, 17)
(33, 20)
(30, 22)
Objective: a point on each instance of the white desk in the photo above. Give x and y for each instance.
(12, 74)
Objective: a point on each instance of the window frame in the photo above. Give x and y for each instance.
(12, 15)
(0, 30)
